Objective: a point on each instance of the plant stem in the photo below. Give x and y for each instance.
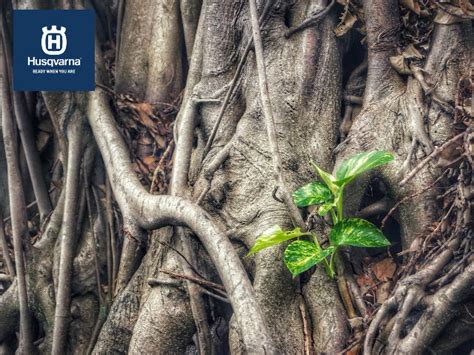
(326, 263)
(332, 273)
(339, 206)
(339, 218)
(316, 241)
(327, 267)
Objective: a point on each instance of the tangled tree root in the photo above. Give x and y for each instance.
(157, 292)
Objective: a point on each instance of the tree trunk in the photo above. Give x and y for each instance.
(205, 118)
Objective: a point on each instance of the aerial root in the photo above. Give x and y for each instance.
(311, 21)
(270, 120)
(408, 295)
(198, 306)
(133, 250)
(434, 154)
(232, 85)
(68, 237)
(440, 311)
(21, 242)
(353, 91)
(211, 169)
(154, 211)
(381, 206)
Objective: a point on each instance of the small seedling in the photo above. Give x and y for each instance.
(301, 255)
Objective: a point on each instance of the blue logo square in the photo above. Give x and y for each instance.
(53, 50)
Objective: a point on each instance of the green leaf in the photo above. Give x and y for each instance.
(275, 235)
(360, 163)
(302, 255)
(357, 232)
(314, 193)
(324, 209)
(328, 179)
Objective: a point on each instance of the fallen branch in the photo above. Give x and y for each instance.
(198, 280)
(167, 245)
(156, 282)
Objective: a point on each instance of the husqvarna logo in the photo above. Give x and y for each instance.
(54, 40)
(53, 50)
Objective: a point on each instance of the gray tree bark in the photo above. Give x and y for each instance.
(167, 273)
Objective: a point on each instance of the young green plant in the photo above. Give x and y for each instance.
(301, 255)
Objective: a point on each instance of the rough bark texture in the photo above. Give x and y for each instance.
(116, 268)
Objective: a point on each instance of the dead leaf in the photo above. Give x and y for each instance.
(145, 139)
(42, 140)
(355, 350)
(383, 292)
(384, 269)
(425, 46)
(448, 14)
(347, 22)
(416, 244)
(145, 114)
(160, 141)
(145, 107)
(411, 52)
(149, 160)
(143, 150)
(412, 5)
(400, 65)
(365, 283)
(146, 120)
